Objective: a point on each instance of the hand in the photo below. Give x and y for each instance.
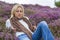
(14, 29)
(34, 27)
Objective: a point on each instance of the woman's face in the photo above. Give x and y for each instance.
(19, 12)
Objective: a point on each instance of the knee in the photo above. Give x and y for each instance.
(42, 23)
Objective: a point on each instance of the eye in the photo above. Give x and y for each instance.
(17, 11)
(21, 11)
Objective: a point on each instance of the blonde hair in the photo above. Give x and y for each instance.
(14, 8)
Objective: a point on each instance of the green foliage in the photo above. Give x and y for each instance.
(2, 26)
(55, 31)
(57, 4)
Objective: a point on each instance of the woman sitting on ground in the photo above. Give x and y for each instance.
(23, 28)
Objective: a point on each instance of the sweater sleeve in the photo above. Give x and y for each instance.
(8, 24)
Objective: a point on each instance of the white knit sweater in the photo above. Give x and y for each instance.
(8, 25)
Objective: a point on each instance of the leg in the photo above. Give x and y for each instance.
(46, 33)
(23, 37)
(42, 31)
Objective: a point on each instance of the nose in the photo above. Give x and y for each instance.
(19, 12)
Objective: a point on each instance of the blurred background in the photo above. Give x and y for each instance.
(36, 10)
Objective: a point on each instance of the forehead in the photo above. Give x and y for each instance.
(19, 8)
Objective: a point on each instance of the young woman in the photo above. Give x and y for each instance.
(23, 28)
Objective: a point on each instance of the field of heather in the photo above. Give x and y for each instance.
(36, 13)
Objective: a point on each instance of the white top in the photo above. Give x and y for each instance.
(8, 25)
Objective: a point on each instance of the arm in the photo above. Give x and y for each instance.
(9, 27)
(32, 28)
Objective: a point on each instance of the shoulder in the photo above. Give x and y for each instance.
(7, 23)
(8, 20)
(26, 17)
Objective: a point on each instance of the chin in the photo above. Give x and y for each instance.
(19, 17)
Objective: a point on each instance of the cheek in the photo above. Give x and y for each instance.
(21, 14)
(16, 14)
